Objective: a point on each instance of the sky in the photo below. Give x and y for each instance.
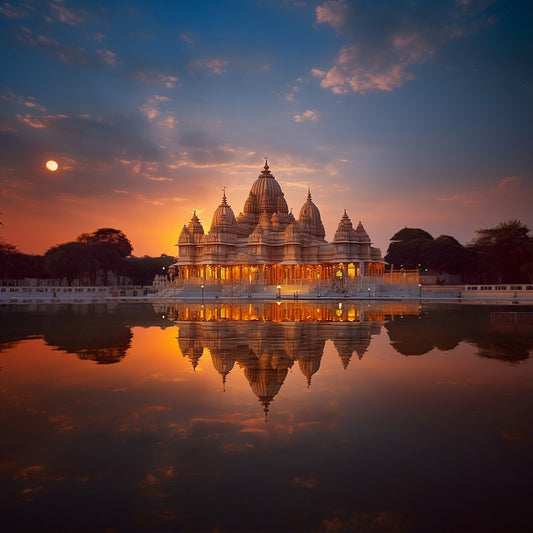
(404, 113)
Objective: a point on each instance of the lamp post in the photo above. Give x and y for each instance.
(202, 287)
(369, 293)
(278, 292)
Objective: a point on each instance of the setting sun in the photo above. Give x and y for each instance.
(52, 165)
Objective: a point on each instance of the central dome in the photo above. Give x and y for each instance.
(266, 195)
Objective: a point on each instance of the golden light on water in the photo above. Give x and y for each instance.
(52, 165)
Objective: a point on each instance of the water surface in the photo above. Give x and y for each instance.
(298, 416)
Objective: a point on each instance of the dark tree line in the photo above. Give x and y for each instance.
(496, 255)
(500, 254)
(91, 257)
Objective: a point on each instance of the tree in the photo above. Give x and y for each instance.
(68, 260)
(447, 255)
(411, 234)
(503, 252)
(415, 248)
(109, 247)
(16, 265)
(405, 249)
(142, 270)
(111, 236)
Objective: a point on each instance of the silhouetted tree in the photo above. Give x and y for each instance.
(111, 236)
(503, 252)
(16, 265)
(405, 249)
(447, 255)
(142, 270)
(110, 245)
(411, 234)
(69, 260)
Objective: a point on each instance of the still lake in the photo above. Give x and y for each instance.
(262, 417)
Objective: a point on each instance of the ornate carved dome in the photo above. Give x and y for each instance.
(310, 215)
(195, 227)
(223, 214)
(345, 231)
(266, 195)
(362, 235)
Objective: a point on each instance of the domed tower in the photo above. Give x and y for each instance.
(195, 228)
(310, 218)
(345, 231)
(223, 216)
(266, 195)
(361, 234)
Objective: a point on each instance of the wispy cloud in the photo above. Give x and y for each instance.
(107, 56)
(311, 115)
(66, 15)
(509, 186)
(151, 107)
(186, 38)
(510, 182)
(215, 66)
(9, 10)
(152, 76)
(16, 99)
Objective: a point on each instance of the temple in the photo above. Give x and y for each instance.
(266, 245)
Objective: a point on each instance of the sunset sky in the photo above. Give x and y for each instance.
(404, 113)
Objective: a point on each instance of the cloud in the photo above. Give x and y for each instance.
(509, 182)
(355, 72)
(13, 11)
(107, 56)
(169, 121)
(310, 115)
(294, 87)
(186, 38)
(152, 76)
(215, 66)
(333, 12)
(504, 189)
(49, 45)
(18, 100)
(68, 16)
(382, 44)
(151, 107)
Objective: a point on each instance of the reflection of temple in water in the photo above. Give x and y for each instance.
(266, 340)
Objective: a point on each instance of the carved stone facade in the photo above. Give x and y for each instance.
(267, 245)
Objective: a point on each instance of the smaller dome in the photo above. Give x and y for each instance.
(223, 215)
(310, 215)
(345, 231)
(361, 234)
(195, 226)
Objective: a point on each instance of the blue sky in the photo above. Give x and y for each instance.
(403, 113)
